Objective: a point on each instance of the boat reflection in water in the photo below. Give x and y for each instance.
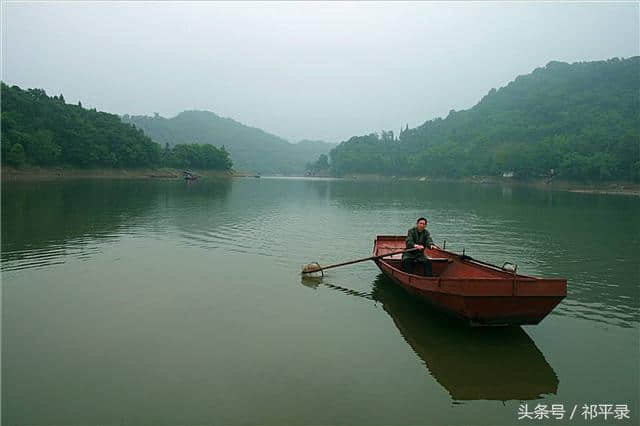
(471, 363)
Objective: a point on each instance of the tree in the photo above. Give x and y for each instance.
(16, 155)
(318, 166)
(323, 162)
(41, 149)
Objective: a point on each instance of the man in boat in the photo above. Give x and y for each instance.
(418, 237)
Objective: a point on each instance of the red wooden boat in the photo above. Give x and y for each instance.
(477, 292)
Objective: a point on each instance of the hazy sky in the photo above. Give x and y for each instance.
(300, 70)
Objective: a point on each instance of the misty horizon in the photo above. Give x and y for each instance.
(316, 71)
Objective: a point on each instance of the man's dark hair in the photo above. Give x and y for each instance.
(421, 218)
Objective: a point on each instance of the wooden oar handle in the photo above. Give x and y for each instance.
(308, 270)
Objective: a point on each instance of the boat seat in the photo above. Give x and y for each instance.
(439, 259)
(395, 256)
(438, 265)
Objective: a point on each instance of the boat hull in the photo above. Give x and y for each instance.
(476, 293)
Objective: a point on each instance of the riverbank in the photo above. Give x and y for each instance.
(615, 187)
(46, 173)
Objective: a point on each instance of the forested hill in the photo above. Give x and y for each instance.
(577, 121)
(41, 130)
(252, 149)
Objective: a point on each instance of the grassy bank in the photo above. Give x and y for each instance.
(46, 173)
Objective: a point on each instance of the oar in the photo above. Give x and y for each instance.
(315, 267)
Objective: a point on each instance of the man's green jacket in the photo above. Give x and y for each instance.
(414, 237)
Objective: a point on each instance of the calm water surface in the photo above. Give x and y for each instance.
(163, 302)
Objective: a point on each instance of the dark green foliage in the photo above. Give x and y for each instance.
(195, 156)
(15, 155)
(368, 154)
(45, 131)
(42, 130)
(578, 121)
(252, 149)
(321, 165)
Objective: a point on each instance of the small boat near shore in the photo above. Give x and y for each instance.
(475, 291)
(189, 175)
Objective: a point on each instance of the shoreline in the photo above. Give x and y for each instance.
(610, 188)
(55, 173)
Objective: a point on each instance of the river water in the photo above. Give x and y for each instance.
(167, 302)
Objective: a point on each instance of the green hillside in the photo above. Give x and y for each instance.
(252, 149)
(41, 130)
(577, 121)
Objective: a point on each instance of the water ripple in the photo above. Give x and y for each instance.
(293, 223)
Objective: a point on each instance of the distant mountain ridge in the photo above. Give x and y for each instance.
(251, 149)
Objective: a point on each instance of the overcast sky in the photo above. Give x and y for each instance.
(300, 70)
